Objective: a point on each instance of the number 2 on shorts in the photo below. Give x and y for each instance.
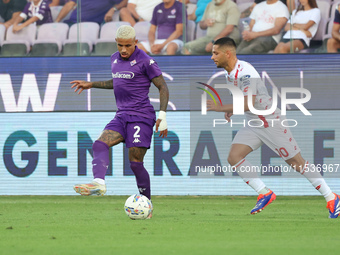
(136, 134)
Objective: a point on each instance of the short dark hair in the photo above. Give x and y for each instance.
(225, 41)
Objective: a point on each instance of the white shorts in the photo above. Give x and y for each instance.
(179, 43)
(277, 138)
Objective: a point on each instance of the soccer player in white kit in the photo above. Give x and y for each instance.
(272, 133)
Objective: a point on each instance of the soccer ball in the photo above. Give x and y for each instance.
(138, 207)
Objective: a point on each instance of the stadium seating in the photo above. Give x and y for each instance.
(200, 32)
(191, 8)
(244, 5)
(324, 7)
(115, 16)
(250, 2)
(55, 12)
(50, 39)
(80, 41)
(18, 44)
(142, 30)
(106, 44)
(2, 33)
(330, 22)
(191, 26)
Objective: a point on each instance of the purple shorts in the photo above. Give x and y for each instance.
(137, 131)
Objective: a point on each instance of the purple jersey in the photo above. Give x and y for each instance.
(131, 83)
(93, 11)
(167, 19)
(41, 10)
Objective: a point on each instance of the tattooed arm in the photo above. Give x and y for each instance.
(163, 91)
(81, 85)
(163, 98)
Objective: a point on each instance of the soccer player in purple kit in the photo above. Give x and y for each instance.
(132, 72)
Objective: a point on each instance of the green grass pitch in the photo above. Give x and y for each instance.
(180, 225)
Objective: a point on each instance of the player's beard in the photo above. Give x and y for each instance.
(219, 65)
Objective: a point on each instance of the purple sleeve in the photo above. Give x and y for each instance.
(154, 16)
(152, 69)
(179, 13)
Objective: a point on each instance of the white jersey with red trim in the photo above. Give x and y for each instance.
(245, 76)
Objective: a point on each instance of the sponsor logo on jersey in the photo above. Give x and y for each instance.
(115, 62)
(151, 62)
(159, 11)
(245, 77)
(123, 75)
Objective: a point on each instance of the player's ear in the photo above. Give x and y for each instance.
(227, 53)
(136, 41)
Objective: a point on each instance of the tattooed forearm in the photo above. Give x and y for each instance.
(103, 84)
(163, 91)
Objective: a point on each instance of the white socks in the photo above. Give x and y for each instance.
(249, 175)
(318, 182)
(100, 181)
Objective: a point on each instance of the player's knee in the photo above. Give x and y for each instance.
(297, 162)
(133, 166)
(233, 158)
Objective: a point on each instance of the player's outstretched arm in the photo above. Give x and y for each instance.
(163, 98)
(81, 85)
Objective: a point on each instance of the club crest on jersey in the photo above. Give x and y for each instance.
(133, 62)
(173, 11)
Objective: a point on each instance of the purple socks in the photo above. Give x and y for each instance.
(101, 160)
(142, 178)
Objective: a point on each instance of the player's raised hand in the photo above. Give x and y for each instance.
(162, 124)
(80, 85)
